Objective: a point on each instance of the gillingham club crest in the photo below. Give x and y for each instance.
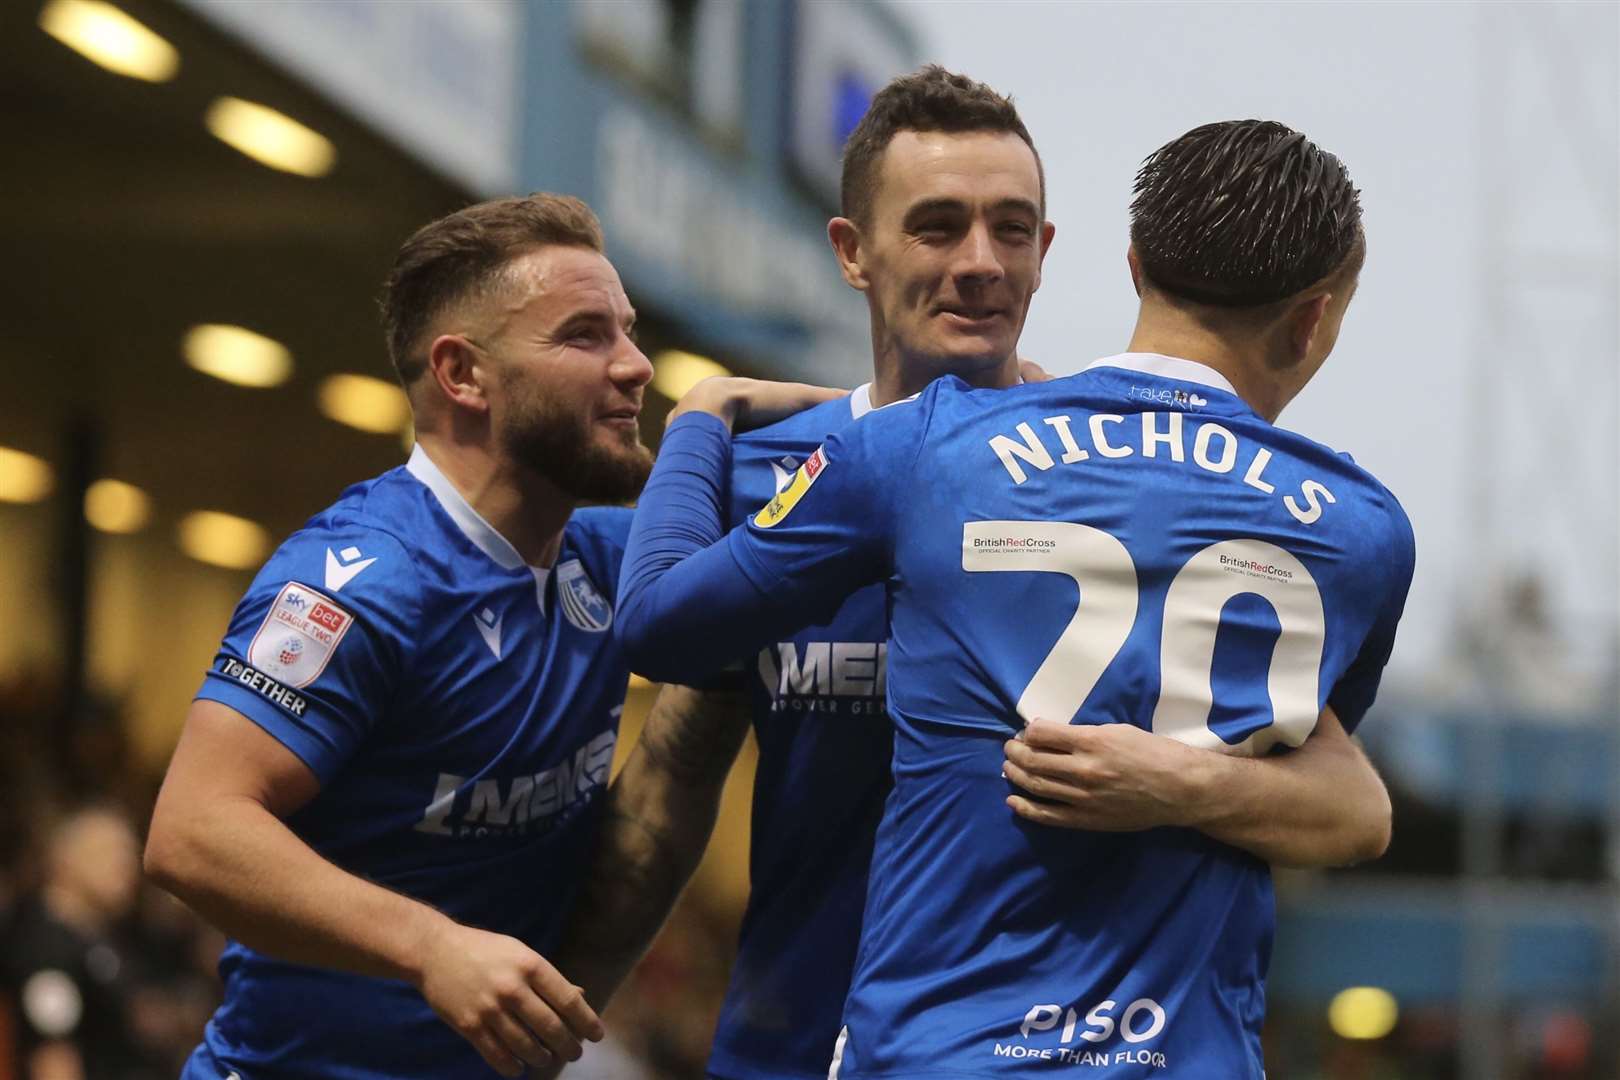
(581, 604)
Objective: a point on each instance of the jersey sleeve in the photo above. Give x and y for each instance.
(317, 647)
(693, 598)
(1353, 695)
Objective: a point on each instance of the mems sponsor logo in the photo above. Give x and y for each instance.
(510, 806)
(847, 677)
(1102, 1035)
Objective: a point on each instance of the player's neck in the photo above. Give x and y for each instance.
(896, 378)
(1242, 363)
(528, 510)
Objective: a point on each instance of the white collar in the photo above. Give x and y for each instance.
(470, 521)
(860, 401)
(1169, 367)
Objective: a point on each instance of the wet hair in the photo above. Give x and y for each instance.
(931, 99)
(464, 254)
(1244, 213)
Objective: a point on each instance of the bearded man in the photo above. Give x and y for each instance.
(390, 780)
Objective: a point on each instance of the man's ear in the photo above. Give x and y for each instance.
(1048, 231)
(1303, 323)
(1135, 264)
(458, 371)
(845, 236)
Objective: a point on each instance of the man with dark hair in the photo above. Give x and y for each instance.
(929, 100)
(1244, 251)
(943, 230)
(391, 777)
(1132, 556)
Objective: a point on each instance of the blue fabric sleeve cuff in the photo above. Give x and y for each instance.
(309, 748)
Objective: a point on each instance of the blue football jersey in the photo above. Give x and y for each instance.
(824, 749)
(460, 709)
(1132, 544)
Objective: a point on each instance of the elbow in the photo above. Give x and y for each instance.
(639, 653)
(1373, 830)
(1380, 831)
(650, 654)
(643, 660)
(631, 631)
(169, 861)
(158, 861)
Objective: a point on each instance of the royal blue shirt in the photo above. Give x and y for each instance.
(824, 748)
(460, 709)
(1128, 545)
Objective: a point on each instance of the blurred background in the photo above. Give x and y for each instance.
(201, 199)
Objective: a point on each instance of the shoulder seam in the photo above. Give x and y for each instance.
(375, 525)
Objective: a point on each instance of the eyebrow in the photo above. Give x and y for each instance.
(927, 206)
(575, 318)
(595, 316)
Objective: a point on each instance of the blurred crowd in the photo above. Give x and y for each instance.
(105, 977)
(101, 974)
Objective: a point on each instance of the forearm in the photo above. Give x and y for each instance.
(1322, 805)
(685, 609)
(242, 869)
(661, 811)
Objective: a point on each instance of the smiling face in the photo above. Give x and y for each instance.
(952, 252)
(569, 377)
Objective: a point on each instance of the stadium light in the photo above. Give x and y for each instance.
(362, 402)
(271, 138)
(223, 540)
(110, 39)
(116, 507)
(237, 355)
(675, 372)
(24, 478)
(1363, 1012)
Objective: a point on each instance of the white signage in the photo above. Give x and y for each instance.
(439, 77)
(666, 205)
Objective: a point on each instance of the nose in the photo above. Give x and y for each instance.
(977, 260)
(630, 367)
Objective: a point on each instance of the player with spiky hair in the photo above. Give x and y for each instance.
(1134, 556)
(1244, 215)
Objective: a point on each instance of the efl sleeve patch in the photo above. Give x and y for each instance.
(298, 636)
(786, 499)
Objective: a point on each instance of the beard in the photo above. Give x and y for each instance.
(557, 443)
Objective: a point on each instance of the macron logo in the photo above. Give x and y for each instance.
(489, 628)
(344, 567)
